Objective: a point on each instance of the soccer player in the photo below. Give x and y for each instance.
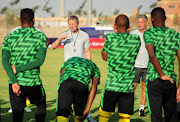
(23, 53)
(27, 108)
(120, 50)
(163, 45)
(141, 61)
(73, 88)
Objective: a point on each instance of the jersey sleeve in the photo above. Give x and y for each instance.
(6, 61)
(43, 41)
(147, 38)
(179, 41)
(106, 44)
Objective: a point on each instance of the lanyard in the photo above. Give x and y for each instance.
(75, 40)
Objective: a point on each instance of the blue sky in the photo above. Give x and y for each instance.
(105, 6)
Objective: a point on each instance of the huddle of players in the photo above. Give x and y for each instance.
(26, 50)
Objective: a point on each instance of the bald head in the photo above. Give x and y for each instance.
(122, 21)
(158, 14)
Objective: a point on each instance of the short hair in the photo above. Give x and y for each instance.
(73, 17)
(158, 13)
(122, 21)
(26, 15)
(143, 16)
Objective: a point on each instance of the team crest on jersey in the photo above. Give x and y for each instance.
(81, 38)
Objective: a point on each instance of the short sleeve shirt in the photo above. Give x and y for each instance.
(166, 43)
(79, 69)
(122, 49)
(23, 45)
(75, 46)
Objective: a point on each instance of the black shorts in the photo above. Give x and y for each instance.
(35, 94)
(71, 92)
(162, 94)
(140, 73)
(125, 102)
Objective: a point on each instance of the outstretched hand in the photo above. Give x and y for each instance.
(166, 77)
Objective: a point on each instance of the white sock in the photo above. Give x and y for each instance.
(141, 107)
(89, 115)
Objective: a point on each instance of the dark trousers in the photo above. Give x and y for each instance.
(162, 94)
(35, 94)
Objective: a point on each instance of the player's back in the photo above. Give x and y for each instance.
(80, 69)
(122, 51)
(166, 43)
(24, 44)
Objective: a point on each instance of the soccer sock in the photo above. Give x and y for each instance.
(103, 115)
(61, 119)
(141, 107)
(27, 103)
(124, 117)
(89, 115)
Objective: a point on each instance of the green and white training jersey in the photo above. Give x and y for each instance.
(166, 43)
(80, 69)
(23, 45)
(122, 49)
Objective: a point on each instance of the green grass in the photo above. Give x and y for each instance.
(50, 77)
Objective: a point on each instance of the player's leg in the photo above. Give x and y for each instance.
(17, 104)
(125, 106)
(155, 99)
(143, 93)
(137, 77)
(107, 105)
(64, 100)
(169, 103)
(37, 96)
(80, 97)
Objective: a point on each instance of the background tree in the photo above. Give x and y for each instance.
(116, 11)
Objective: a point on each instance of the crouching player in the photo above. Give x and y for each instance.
(120, 50)
(73, 88)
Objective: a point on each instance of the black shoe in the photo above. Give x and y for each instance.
(141, 113)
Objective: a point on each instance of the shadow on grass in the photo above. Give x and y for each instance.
(29, 117)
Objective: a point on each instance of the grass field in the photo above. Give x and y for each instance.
(50, 77)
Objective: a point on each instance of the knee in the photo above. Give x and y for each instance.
(63, 111)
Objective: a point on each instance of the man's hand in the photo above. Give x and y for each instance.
(64, 36)
(16, 88)
(166, 77)
(83, 117)
(178, 95)
(14, 69)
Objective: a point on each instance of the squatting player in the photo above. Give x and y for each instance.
(73, 88)
(120, 50)
(163, 45)
(25, 50)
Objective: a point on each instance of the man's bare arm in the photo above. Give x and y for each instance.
(91, 98)
(154, 60)
(56, 43)
(104, 55)
(88, 53)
